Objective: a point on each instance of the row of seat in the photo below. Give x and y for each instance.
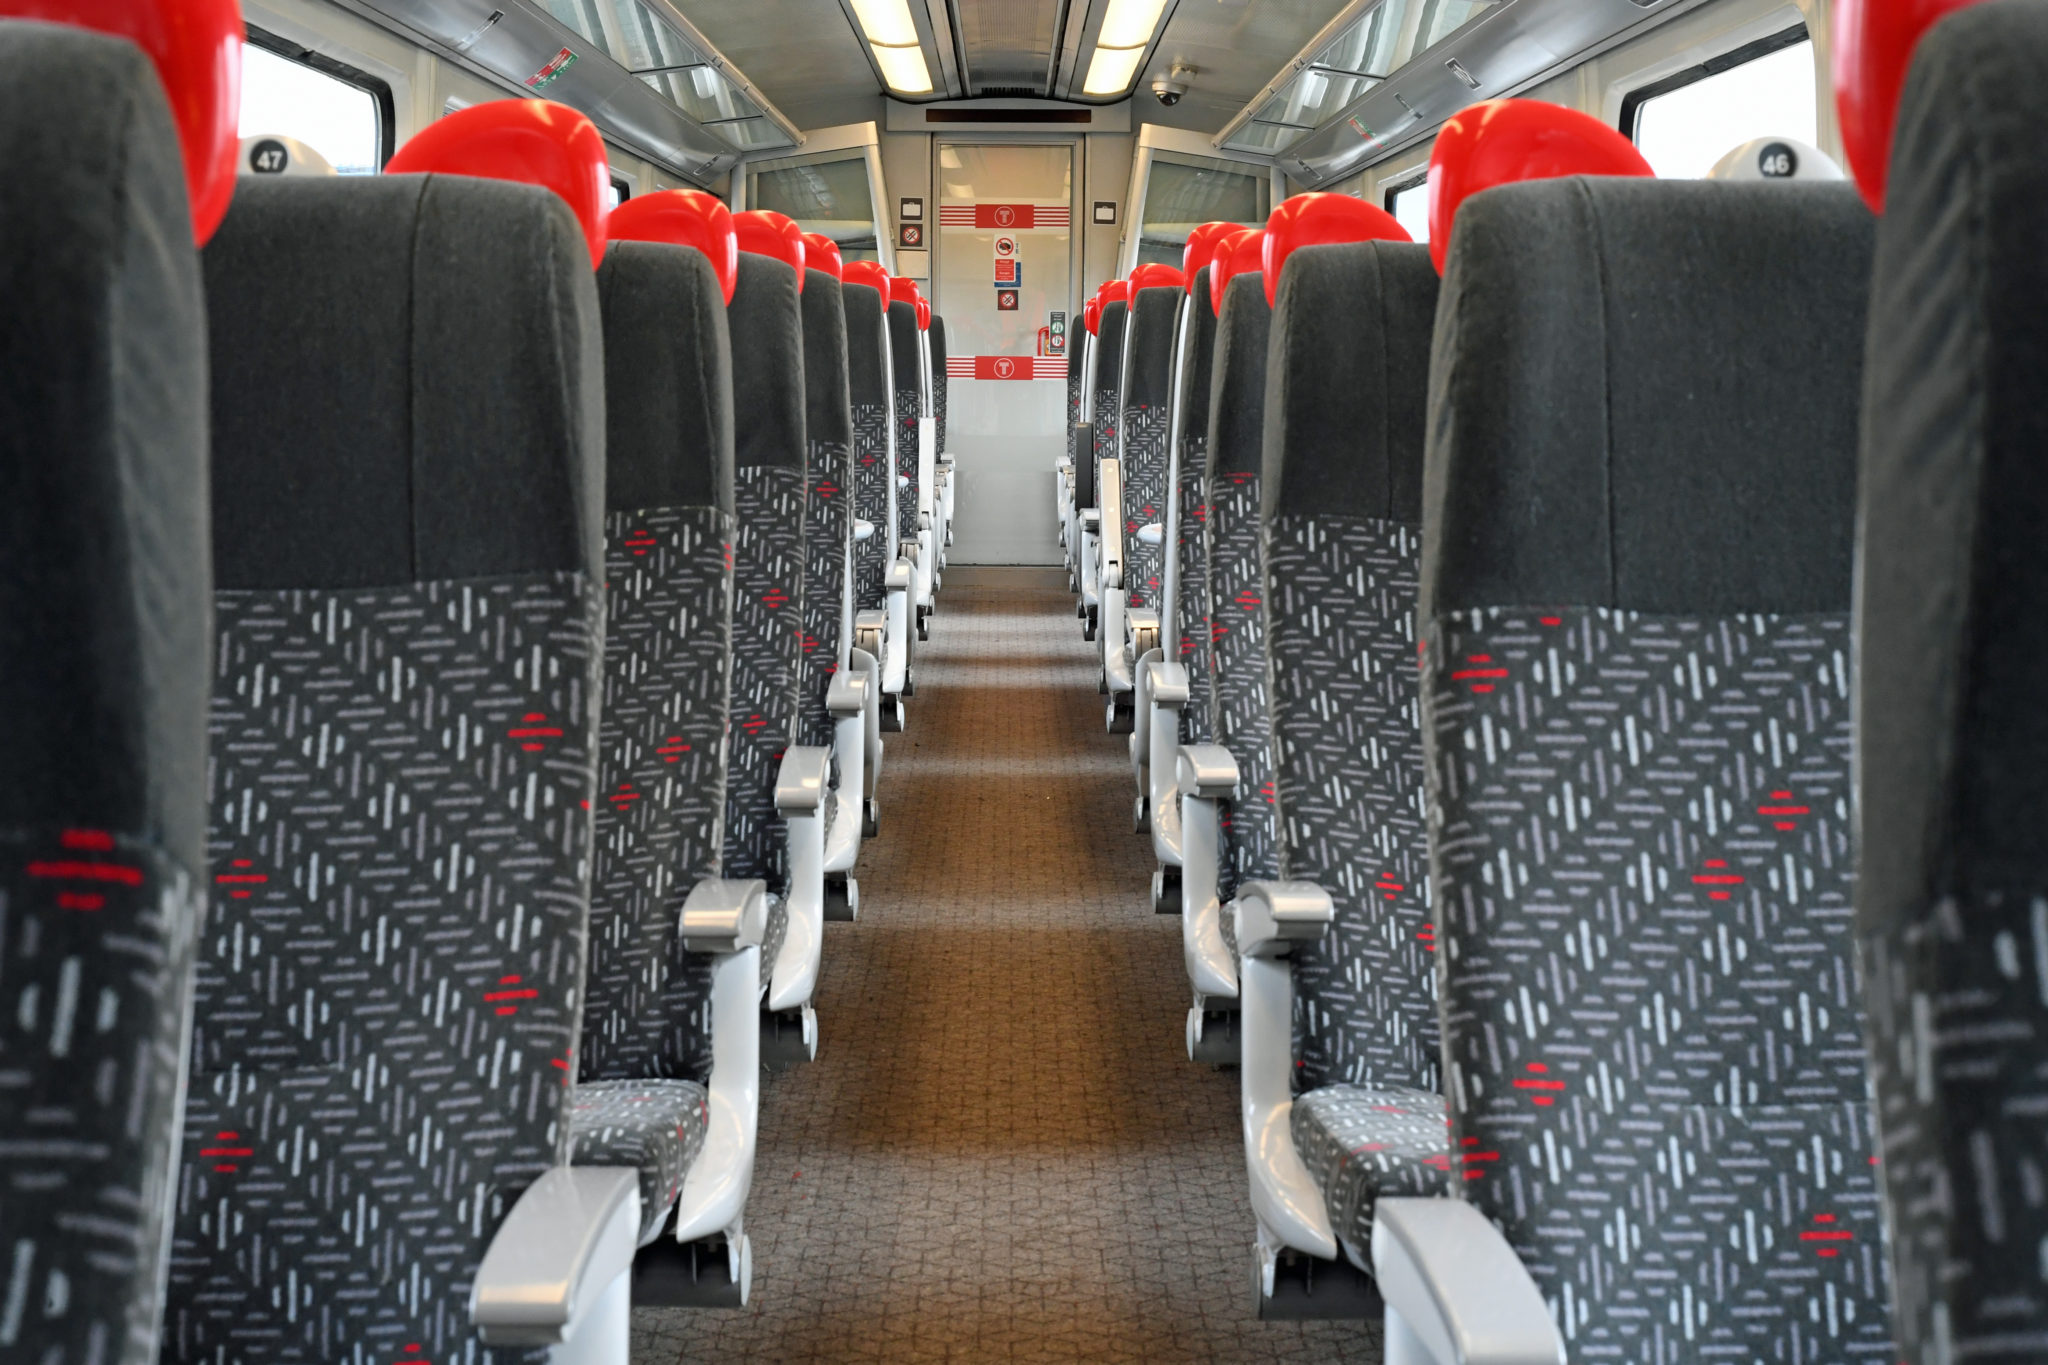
(449, 683)
(1565, 660)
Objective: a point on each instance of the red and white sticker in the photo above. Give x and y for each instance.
(1006, 367)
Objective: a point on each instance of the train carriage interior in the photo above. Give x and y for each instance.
(1023, 681)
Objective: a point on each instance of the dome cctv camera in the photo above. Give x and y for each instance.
(1169, 88)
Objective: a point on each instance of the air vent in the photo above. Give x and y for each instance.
(956, 114)
(1010, 92)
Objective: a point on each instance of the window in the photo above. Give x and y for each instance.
(1409, 204)
(832, 197)
(1181, 193)
(341, 113)
(1684, 123)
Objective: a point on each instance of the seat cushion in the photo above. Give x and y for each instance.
(657, 1127)
(1363, 1143)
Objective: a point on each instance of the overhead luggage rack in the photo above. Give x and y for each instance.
(638, 68)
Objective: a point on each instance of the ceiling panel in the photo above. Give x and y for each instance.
(802, 54)
(1235, 46)
(1008, 43)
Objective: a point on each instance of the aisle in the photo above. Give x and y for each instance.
(1001, 1153)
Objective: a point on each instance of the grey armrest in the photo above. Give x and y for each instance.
(1455, 1287)
(725, 916)
(1274, 916)
(1207, 771)
(863, 529)
(1152, 533)
(563, 1244)
(1170, 687)
(801, 782)
(1091, 518)
(847, 694)
(899, 576)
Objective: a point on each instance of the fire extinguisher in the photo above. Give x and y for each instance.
(1045, 341)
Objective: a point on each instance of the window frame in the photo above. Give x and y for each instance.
(375, 87)
(1633, 102)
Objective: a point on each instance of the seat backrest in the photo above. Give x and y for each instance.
(1636, 590)
(769, 460)
(1076, 346)
(1191, 477)
(668, 546)
(1106, 412)
(937, 335)
(105, 625)
(1952, 582)
(906, 363)
(1239, 703)
(1341, 486)
(868, 390)
(1147, 390)
(828, 479)
(407, 541)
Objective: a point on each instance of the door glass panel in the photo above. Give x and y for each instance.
(1004, 253)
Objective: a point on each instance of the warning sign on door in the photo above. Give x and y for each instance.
(1009, 273)
(1006, 245)
(1006, 300)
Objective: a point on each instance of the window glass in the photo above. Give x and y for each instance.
(1181, 195)
(827, 197)
(328, 114)
(1410, 207)
(1683, 132)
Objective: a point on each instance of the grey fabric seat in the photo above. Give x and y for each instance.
(1106, 405)
(769, 464)
(1145, 399)
(105, 634)
(869, 391)
(1239, 704)
(1341, 507)
(1635, 593)
(1948, 640)
(408, 554)
(906, 366)
(1193, 632)
(669, 532)
(829, 483)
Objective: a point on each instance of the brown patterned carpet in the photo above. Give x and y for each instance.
(1002, 1152)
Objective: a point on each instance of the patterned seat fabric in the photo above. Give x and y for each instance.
(937, 336)
(1147, 408)
(769, 458)
(828, 517)
(668, 643)
(1191, 611)
(1107, 414)
(1638, 761)
(1365, 1143)
(404, 756)
(906, 363)
(654, 1127)
(868, 391)
(104, 670)
(1952, 904)
(1240, 707)
(1342, 487)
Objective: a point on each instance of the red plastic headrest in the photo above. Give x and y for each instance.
(1201, 248)
(763, 232)
(535, 142)
(924, 315)
(1156, 276)
(1874, 44)
(1115, 291)
(684, 218)
(1241, 251)
(1318, 220)
(822, 253)
(870, 273)
(196, 46)
(1501, 142)
(1091, 313)
(902, 289)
